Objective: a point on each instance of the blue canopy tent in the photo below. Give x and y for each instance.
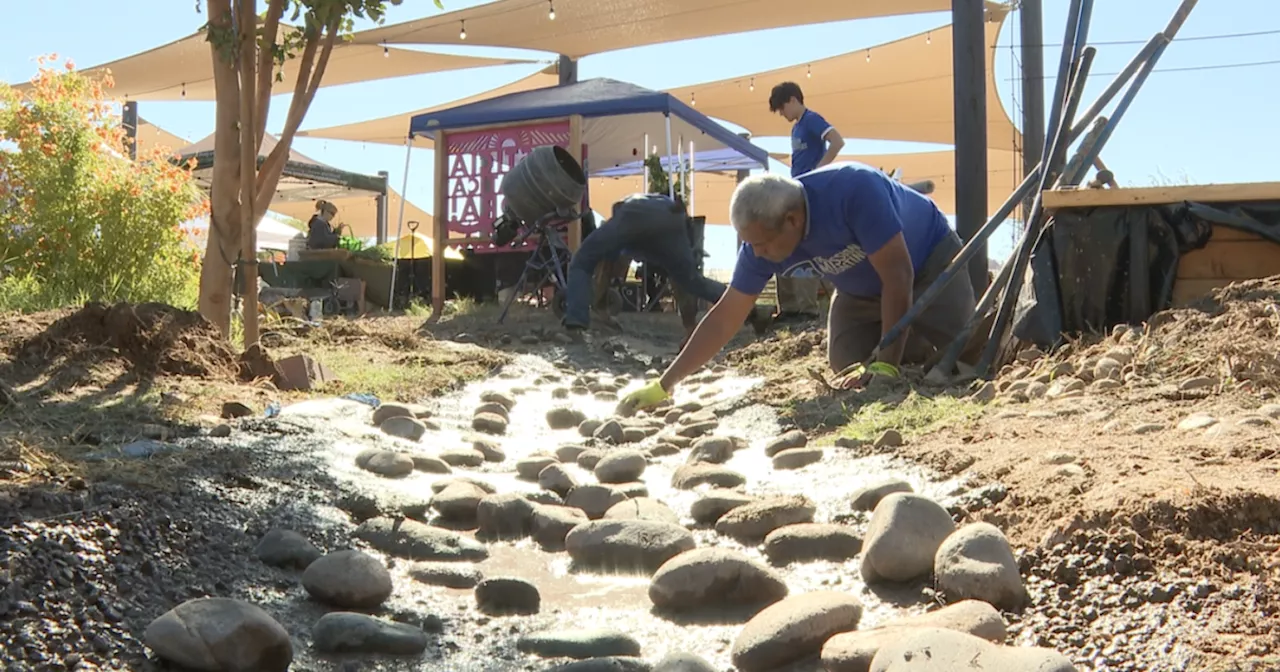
(618, 122)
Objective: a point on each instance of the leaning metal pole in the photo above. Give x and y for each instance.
(395, 247)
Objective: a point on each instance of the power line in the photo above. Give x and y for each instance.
(1192, 38)
(1190, 68)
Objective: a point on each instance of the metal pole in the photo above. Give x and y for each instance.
(969, 62)
(1076, 168)
(1031, 18)
(129, 120)
(568, 70)
(953, 351)
(1114, 88)
(692, 182)
(644, 165)
(1023, 254)
(382, 206)
(1064, 72)
(395, 247)
(671, 184)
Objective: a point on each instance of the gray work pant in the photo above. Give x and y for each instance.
(854, 329)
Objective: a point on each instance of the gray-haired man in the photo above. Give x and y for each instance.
(877, 241)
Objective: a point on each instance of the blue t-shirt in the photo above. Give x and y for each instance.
(808, 142)
(853, 211)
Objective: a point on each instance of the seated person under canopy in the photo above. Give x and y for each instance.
(877, 241)
(649, 227)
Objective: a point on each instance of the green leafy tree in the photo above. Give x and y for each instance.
(248, 51)
(78, 219)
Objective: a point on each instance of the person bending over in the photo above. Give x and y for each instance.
(650, 227)
(877, 241)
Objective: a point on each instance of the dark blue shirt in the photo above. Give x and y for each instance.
(808, 142)
(853, 211)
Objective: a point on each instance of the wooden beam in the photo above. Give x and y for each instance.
(1205, 193)
(575, 150)
(439, 225)
(1230, 260)
(969, 89)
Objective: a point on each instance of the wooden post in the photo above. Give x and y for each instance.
(129, 121)
(381, 204)
(1032, 23)
(439, 224)
(969, 63)
(575, 150)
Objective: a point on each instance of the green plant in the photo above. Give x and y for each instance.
(351, 244)
(660, 179)
(77, 219)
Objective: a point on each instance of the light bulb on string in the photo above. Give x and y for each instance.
(462, 34)
(551, 14)
(184, 89)
(808, 71)
(928, 37)
(752, 86)
(386, 53)
(693, 100)
(868, 55)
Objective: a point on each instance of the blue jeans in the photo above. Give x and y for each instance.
(650, 227)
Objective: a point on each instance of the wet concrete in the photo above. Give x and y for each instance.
(330, 433)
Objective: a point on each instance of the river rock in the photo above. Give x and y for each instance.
(446, 574)
(635, 434)
(507, 597)
(528, 468)
(681, 442)
(714, 578)
(696, 430)
(594, 500)
(804, 542)
(557, 479)
(904, 534)
(672, 416)
(1271, 411)
(663, 449)
(794, 629)
(610, 431)
(551, 524)
(565, 417)
(462, 457)
(854, 651)
(394, 410)
(588, 459)
(348, 579)
(218, 634)
(889, 438)
(430, 465)
(346, 632)
(642, 508)
(631, 490)
(569, 453)
(1197, 421)
(976, 562)
(626, 546)
(489, 423)
(578, 644)
(938, 649)
(387, 463)
(690, 476)
(866, 499)
(797, 458)
(286, 548)
(438, 486)
(792, 439)
(560, 393)
(488, 450)
(623, 466)
(417, 541)
(404, 427)
(496, 409)
(458, 502)
(712, 450)
(589, 427)
(504, 516)
(715, 503)
(496, 397)
(683, 662)
(606, 664)
(751, 523)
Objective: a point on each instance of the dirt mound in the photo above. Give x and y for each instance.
(1231, 338)
(150, 338)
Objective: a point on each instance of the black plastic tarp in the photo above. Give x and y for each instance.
(1080, 278)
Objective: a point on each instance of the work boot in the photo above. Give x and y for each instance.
(760, 319)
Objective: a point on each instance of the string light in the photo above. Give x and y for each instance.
(753, 84)
(462, 34)
(928, 37)
(184, 89)
(551, 14)
(808, 71)
(386, 53)
(693, 100)
(868, 55)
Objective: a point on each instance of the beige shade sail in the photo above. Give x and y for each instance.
(585, 27)
(394, 129)
(1004, 172)
(711, 192)
(360, 213)
(152, 138)
(904, 92)
(183, 69)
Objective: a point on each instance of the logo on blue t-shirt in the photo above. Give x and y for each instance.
(835, 264)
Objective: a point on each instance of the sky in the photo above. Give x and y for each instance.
(1207, 114)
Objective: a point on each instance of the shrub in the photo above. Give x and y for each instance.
(78, 219)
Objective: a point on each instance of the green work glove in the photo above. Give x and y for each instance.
(648, 396)
(884, 369)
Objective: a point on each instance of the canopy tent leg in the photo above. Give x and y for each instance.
(395, 249)
(381, 203)
(692, 183)
(439, 227)
(644, 170)
(575, 150)
(671, 184)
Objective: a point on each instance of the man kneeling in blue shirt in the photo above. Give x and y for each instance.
(877, 241)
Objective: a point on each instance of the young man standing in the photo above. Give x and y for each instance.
(814, 144)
